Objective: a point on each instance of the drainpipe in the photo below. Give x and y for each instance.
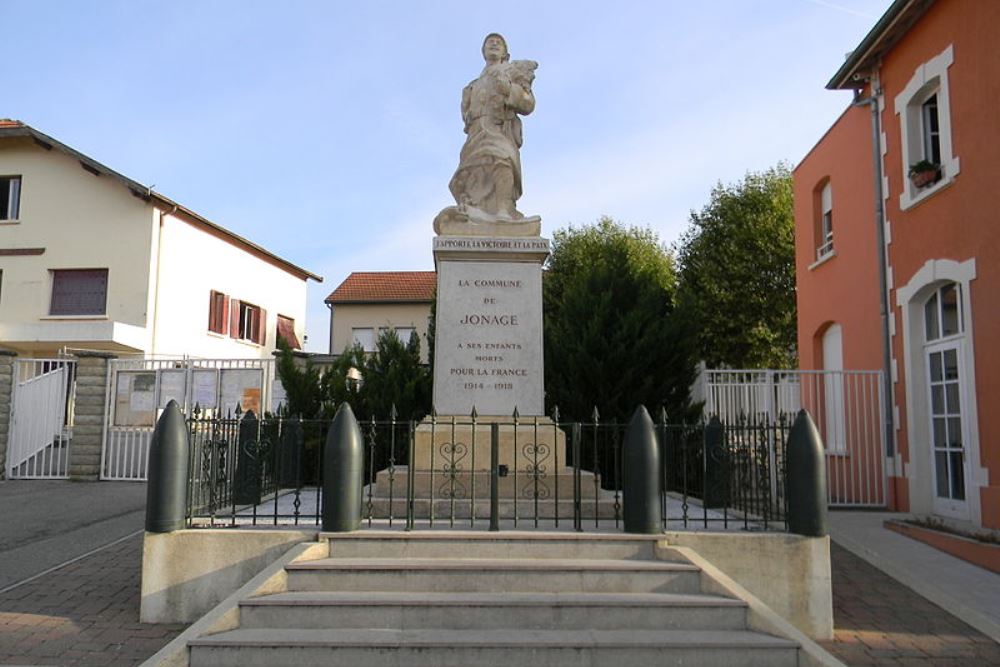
(872, 103)
(159, 261)
(330, 306)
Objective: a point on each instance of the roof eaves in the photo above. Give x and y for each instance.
(146, 193)
(900, 16)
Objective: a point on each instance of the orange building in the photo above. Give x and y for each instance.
(898, 248)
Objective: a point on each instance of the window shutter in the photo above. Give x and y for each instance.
(234, 318)
(224, 316)
(262, 327)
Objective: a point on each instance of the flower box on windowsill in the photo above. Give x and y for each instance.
(924, 173)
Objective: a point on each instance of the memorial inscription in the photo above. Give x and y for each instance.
(489, 357)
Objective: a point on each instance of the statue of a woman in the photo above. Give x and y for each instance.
(487, 183)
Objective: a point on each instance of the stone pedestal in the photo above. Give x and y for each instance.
(488, 325)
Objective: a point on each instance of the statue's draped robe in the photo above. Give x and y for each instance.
(489, 169)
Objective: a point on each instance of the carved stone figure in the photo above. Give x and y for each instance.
(487, 183)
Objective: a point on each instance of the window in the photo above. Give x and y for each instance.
(10, 197)
(286, 332)
(930, 127)
(218, 312)
(404, 334)
(825, 246)
(79, 292)
(943, 313)
(925, 122)
(833, 422)
(249, 326)
(365, 338)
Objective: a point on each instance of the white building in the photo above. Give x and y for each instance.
(90, 259)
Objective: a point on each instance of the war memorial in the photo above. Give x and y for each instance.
(485, 539)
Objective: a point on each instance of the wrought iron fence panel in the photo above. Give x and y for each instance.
(447, 472)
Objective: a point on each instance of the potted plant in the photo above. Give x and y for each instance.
(924, 173)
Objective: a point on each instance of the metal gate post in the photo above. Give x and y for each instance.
(494, 477)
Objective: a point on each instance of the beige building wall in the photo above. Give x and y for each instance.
(82, 221)
(192, 263)
(346, 317)
(161, 268)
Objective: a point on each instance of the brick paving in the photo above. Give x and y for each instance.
(880, 622)
(86, 613)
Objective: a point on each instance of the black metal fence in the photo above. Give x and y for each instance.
(442, 472)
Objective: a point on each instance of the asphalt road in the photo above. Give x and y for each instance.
(45, 523)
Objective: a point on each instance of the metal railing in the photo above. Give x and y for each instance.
(516, 473)
(846, 406)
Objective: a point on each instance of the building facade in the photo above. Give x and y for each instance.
(367, 303)
(90, 259)
(898, 248)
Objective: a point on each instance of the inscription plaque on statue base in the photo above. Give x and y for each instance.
(488, 325)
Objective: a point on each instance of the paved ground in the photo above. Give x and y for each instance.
(46, 522)
(86, 612)
(879, 621)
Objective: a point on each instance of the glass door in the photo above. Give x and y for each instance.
(947, 430)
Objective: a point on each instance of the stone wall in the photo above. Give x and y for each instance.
(88, 422)
(6, 386)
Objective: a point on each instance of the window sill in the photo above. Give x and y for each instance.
(102, 316)
(908, 201)
(247, 342)
(822, 260)
(4, 223)
(840, 453)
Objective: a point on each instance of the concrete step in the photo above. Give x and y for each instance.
(605, 508)
(481, 544)
(487, 648)
(465, 484)
(554, 575)
(472, 611)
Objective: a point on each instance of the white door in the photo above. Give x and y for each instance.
(947, 428)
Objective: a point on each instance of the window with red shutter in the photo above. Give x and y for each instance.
(218, 312)
(286, 332)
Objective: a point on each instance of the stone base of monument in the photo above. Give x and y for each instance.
(452, 458)
(445, 509)
(534, 441)
(468, 484)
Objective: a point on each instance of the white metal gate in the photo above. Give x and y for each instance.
(847, 409)
(139, 389)
(41, 418)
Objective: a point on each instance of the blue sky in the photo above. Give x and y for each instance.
(327, 131)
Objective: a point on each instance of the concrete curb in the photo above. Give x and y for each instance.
(759, 615)
(921, 585)
(226, 614)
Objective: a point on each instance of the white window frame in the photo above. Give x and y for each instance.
(13, 198)
(825, 246)
(928, 79)
(371, 333)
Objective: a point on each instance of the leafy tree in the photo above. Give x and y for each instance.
(394, 376)
(391, 375)
(612, 338)
(737, 275)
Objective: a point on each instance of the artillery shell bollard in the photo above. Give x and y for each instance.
(246, 485)
(343, 473)
(641, 476)
(166, 490)
(806, 472)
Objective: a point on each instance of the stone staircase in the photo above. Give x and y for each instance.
(437, 599)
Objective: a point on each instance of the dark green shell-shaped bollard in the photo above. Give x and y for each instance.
(343, 473)
(806, 473)
(716, 462)
(246, 486)
(166, 490)
(641, 479)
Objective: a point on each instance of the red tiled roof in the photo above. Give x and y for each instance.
(386, 287)
(7, 122)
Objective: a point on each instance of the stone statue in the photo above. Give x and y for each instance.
(487, 183)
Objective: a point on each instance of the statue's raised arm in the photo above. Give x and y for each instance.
(487, 183)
